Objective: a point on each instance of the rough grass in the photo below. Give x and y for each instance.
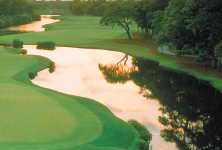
(34, 118)
(85, 31)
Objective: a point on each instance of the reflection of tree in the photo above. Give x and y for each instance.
(179, 129)
(191, 109)
(125, 59)
(114, 73)
(117, 73)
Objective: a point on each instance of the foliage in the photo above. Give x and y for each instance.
(191, 23)
(143, 145)
(90, 7)
(53, 7)
(145, 135)
(32, 75)
(46, 45)
(52, 67)
(16, 12)
(17, 43)
(218, 49)
(120, 14)
(144, 11)
(23, 51)
(115, 73)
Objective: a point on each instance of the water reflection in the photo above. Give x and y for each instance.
(191, 109)
(77, 73)
(36, 26)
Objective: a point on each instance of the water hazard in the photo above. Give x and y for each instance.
(184, 110)
(36, 26)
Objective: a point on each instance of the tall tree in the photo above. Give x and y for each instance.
(144, 11)
(193, 24)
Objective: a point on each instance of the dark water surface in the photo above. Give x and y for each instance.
(191, 109)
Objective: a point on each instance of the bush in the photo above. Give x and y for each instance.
(145, 135)
(143, 145)
(32, 75)
(46, 45)
(52, 67)
(17, 44)
(23, 51)
(14, 20)
(141, 129)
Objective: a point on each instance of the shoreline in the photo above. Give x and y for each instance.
(94, 36)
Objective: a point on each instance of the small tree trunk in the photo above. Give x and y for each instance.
(129, 35)
(146, 32)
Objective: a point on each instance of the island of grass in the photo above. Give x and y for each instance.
(86, 32)
(34, 118)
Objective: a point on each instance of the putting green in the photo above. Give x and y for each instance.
(31, 118)
(34, 118)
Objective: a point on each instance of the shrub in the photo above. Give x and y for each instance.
(143, 145)
(17, 43)
(32, 75)
(46, 45)
(145, 135)
(23, 51)
(141, 129)
(52, 67)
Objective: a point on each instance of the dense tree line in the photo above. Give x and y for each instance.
(16, 12)
(90, 7)
(191, 24)
(188, 26)
(53, 7)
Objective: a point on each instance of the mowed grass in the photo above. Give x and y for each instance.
(86, 32)
(34, 118)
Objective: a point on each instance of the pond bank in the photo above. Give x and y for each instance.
(178, 63)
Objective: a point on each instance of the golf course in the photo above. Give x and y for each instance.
(110, 75)
(50, 120)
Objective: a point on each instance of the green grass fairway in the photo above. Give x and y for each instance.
(85, 31)
(34, 118)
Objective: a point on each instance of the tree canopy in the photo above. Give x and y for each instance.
(120, 13)
(16, 12)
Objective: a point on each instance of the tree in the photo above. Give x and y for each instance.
(16, 7)
(144, 11)
(16, 12)
(191, 24)
(120, 14)
(218, 54)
